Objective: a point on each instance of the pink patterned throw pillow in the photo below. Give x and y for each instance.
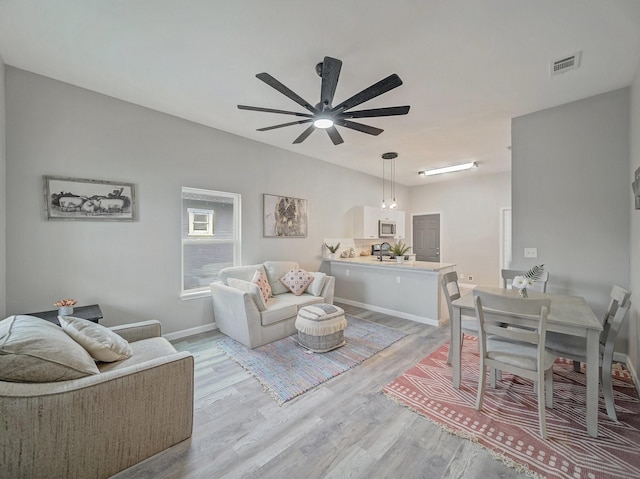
(297, 280)
(261, 280)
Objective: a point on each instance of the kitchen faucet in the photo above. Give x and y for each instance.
(381, 245)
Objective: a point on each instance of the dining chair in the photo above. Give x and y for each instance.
(508, 275)
(469, 324)
(512, 348)
(574, 347)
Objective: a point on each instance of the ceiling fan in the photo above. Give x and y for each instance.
(324, 115)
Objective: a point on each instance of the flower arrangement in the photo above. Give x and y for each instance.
(523, 282)
(332, 248)
(65, 302)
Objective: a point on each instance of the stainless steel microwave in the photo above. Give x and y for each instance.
(386, 228)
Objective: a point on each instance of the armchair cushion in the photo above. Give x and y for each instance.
(101, 343)
(35, 350)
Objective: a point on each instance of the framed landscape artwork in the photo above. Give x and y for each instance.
(284, 217)
(82, 199)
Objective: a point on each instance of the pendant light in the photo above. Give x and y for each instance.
(392, 155)
(383, 205)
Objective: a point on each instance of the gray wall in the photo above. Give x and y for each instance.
(570, 183)
(3, 197)
(469, 211)
(132, 269)
(634, 314)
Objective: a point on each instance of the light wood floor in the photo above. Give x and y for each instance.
(345, 428)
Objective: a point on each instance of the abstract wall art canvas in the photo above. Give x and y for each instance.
(285, 217)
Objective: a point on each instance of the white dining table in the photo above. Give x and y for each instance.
(569, 315)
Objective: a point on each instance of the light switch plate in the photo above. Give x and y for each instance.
(531, 252)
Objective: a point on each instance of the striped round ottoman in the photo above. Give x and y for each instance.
(321, 327)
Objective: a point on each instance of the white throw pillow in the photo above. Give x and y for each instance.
(33, 350)
(252, 289)
(100, 342)
(315, 288)
(276, 270)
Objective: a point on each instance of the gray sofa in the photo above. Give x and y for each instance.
(240, 315)
(98, 425)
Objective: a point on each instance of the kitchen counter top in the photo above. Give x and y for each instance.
(392, 263)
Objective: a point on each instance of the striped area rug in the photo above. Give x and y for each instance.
(508, 424)
(288, 370)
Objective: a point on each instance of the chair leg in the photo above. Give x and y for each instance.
(450, 355)
(576, 366)
(548, 387)
(541, 407)
(493, 375)
(482, 384)
(607, 388)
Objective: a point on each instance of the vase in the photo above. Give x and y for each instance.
(332, 256)
(65, 310)
(523, 293)
(400, 259)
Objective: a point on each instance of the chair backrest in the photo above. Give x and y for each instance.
(508, 275)
(495, 312)
(616, 312)
(450, 288)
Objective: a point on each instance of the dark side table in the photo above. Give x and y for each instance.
(91, 312)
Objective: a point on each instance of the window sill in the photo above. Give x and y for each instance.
(195, 294)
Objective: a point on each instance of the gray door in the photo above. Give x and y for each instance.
(426, 237)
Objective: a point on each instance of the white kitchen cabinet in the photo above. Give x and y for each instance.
(365, 222)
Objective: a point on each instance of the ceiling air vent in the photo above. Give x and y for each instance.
(565, 64)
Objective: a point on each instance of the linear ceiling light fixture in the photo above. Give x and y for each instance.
(449, 169)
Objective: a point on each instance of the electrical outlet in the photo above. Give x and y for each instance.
(398, 279)
(531, 252)
(470, 278)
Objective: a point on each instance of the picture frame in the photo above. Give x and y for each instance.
(284, 217)
(68, 198)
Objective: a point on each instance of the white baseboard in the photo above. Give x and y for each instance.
(190, 332)
(623, 358)
(392, 312)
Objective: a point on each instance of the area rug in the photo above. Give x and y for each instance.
(508, 424)
(287, 370)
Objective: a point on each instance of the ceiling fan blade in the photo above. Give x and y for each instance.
(383, 86)
(330, 73)
(271, 110)
(267, 128)
(334, 135)
(304, 135)
(272, 82)
(390, 111)
(370, 130)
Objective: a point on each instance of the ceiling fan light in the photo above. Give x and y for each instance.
(449, 169)
(323, 123)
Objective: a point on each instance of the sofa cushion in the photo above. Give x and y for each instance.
(278, 310)
(143, 351)
(296, 280)
(252, 289)
(244, 273)
(260, 279)
(302, 300)
(101, 343)
(315, 288)
(35, 350)
(276, 270)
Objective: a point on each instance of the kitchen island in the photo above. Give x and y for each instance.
(409, 290)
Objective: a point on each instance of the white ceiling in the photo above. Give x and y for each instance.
(468, 66)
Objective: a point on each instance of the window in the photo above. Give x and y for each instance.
(200, 222)
(210, 236)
